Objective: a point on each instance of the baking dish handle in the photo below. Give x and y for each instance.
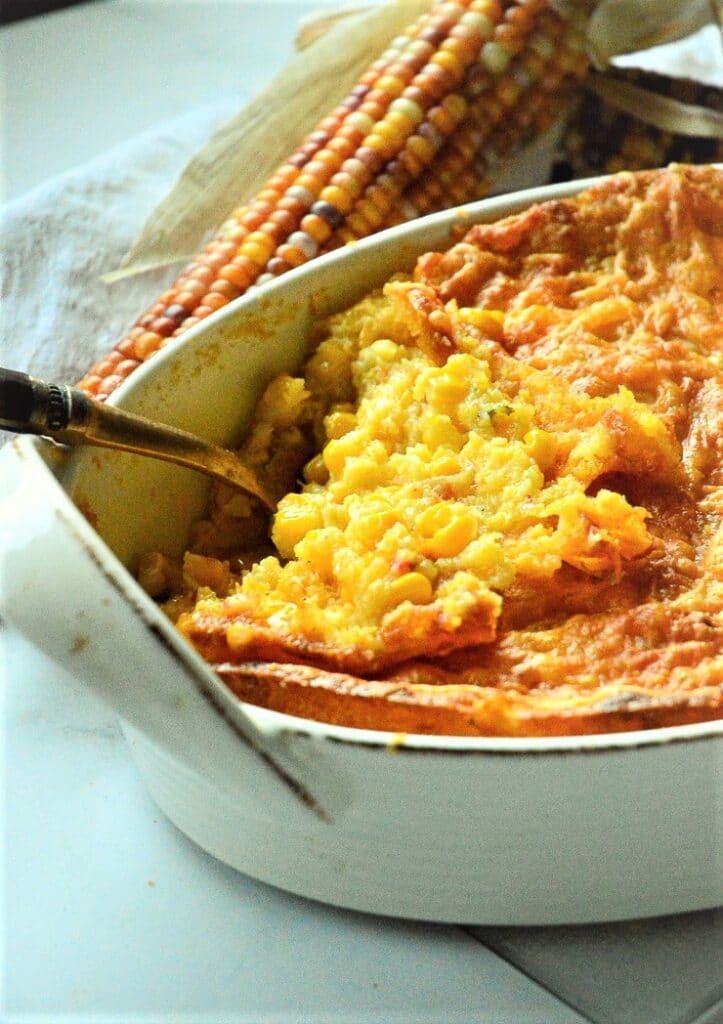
(65, 591)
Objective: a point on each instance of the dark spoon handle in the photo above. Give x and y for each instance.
(68, 415)
(31, 406)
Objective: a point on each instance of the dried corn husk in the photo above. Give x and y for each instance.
(626, 26)
(314, 26)
(602, 139)
(662, 112)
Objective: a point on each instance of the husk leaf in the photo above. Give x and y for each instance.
(660, 111)
(626, 26)
(313, 26)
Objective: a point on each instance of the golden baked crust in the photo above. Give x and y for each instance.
(514, 525)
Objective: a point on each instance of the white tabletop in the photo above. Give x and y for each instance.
(109, 913)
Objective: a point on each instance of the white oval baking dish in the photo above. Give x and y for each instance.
(496, 831)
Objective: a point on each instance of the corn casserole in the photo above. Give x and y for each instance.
(508, 520)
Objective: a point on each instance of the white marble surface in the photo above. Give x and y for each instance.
(108, 913)
(111, 914)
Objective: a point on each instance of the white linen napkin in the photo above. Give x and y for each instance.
(57, 316)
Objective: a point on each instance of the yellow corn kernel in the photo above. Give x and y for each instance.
(450, 540)
(490, 322)
(295, 517)
(386, 350)
(362, 474)
(282, 401)
(542, 447)
(203, 571)
(337, 424)
(445, 389)
(433, 518)
(337, 452)
(412, 586)
(446, 530)
(370, 528)
(315, 471)
(318, 547)
(438, 431)
(445, 464)
(485, 557)
(328, 372)
(239, 635)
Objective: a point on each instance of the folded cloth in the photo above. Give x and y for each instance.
(56, 241)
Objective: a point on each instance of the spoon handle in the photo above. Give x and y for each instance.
(30, 406)
(68, 415)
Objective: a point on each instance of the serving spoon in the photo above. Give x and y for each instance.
(69, 416)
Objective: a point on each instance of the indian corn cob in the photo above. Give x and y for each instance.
(412, 136)
(504, 113)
